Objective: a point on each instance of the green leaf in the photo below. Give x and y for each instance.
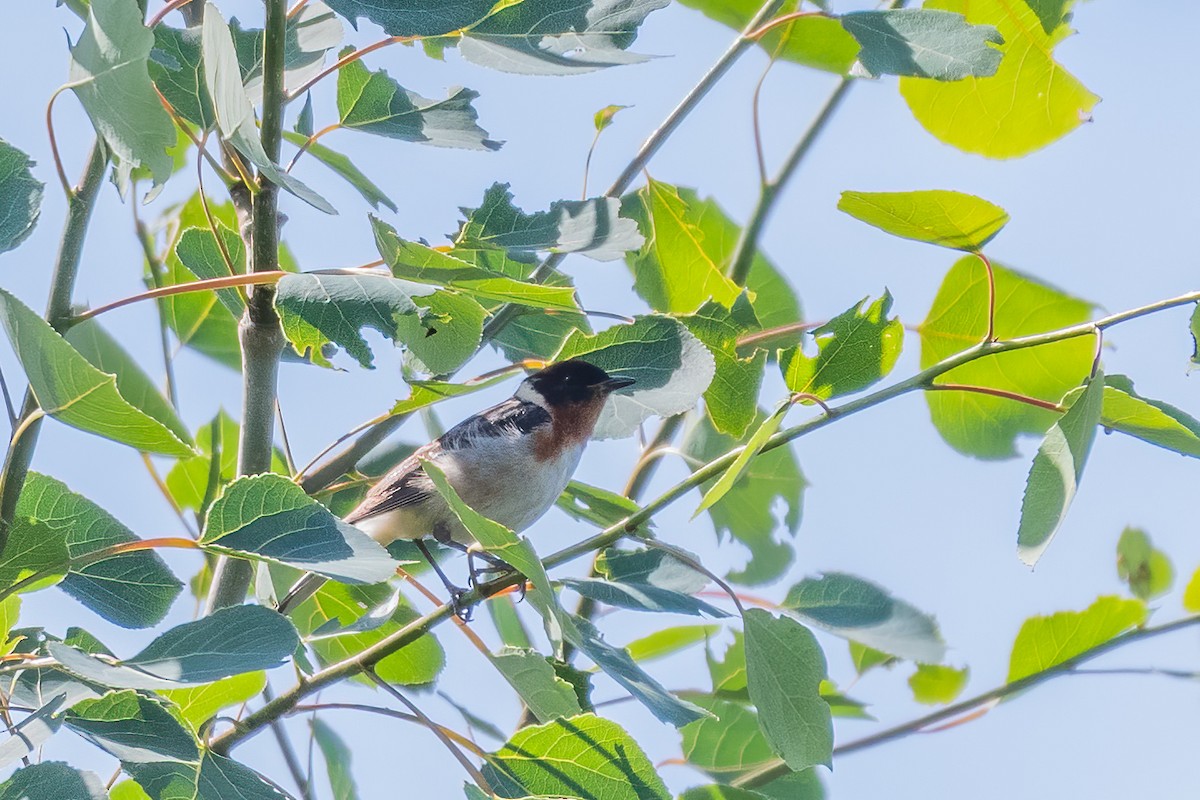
(668, 641)
(948, 219)
(337, 760)
(214, 778)
(424, 264)
(423, 394)
(1030, 102)
(557, 37)
(731, 400)
(10, 612)
(730, 741)
(414, 665)
(199, 253)
(547, 696)
(814, 41)
(133, 590)
(309, 34)
(199, 704)
(1045, 642)
(671, 366)
(104, 352)
(20, 196)
(128, 790)
(729, 674)
(592, 227)
(598, 506)
(784, 670)
(1050, 12)
(345, 169)
(31, 733)
(508, 623)
(52, 780)
(737, 469)
(1191, 594)
(271, 518)
(33, 547)
(1146, 569)
(934, 684)
(1056, 471)
(71, 390)
(1194, 327)
(804, 785)
(1151, 421)
(858, 610)
(748, 510)
(228, 642)
(718, 792)
(982, 425)
(561, 756)
(110, 77)
(604, 117)
(131, 727)
(649, 567)
(514, 550)
(641, 597)
(177, 68)
(867, 658)
(924, 43)
(193, 483)
(678, 269)
(415, 17)
(855, 349)
(374, 103)
(448, 334)
(235, 114)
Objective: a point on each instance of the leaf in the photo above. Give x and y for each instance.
(337, 760)
(605, 116)
(198, 252)
(731, 400)
(934, 684)
(199, 704)
(423, 394)
(189, 480)
(52, 780)
(1050, 13)
(561, 756)
(784, 669)
(269, 517)
(1046, 642)
(750, 450)
(858, 610)
(10, 611)
(415, 17)
(668, 641)
(417, 664)
(72, 391)
(214, 778)
(717, 792)
(649, 568)
(128, 790)
(235, 114)
(132, 728)
(228, 642)
(592, 227)
(547, 696)
(309, 34)
(948, 219)
(730, 741)
(424, 264)
(1191, 594)
(678, 269)
(344, 168)
(924, 43)
(557, 37)
(33, 547)
(447, 336)
(598, 506)
(1030, 102)
(981, 425)
(1151, 421)
(30, 734)
(618, 665)
(641, 597)
(373, 102)
(855, 350)
(514, 550)
(20, 196)
(177, 69)
(1194, 328)
(1146, 569)
(671, 366)
(867, 658)
(1056, 471)
(133, 590)
(748, 510)
(815, 41)
(104, 352)
(110, 77)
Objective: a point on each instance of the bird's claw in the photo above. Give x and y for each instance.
(464, 612)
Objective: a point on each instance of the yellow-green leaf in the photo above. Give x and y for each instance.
(1045, 642)
(948, 219)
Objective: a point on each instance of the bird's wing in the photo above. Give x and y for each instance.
(407, 484)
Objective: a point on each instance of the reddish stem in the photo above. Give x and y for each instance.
(758, 33)
(227, 282)
(167, 9)
(1007, 395)
(347, 59)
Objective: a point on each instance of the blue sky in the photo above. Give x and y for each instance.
(1105, 213)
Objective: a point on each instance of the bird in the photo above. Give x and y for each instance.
(509, 463)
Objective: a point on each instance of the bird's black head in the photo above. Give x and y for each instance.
(573, 381)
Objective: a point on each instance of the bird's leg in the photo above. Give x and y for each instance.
(495, 565)
(456, 592)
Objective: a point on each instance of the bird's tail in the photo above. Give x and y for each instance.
(301, 591)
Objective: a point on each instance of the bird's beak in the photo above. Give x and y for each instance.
(616, 382)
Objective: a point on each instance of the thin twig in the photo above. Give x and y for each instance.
(347, 59)
(288, 752)
(991, 285)
(208, 284)
(157, 269)
(58, 164)
(458, 738)
(1007, 395)
(8, 403)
